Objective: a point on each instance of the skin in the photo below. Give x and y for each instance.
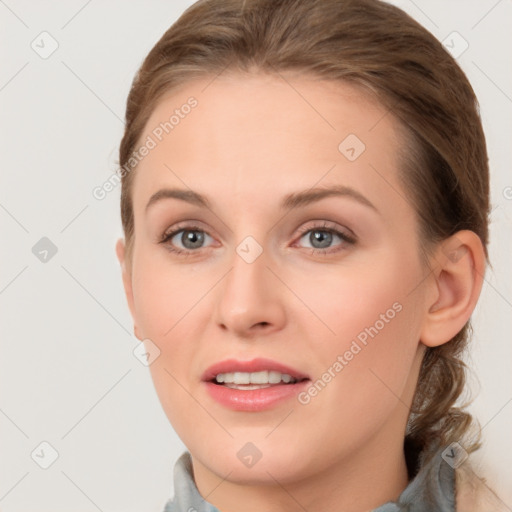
(252, 140)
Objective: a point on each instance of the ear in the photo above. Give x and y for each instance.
(455, 285)
(127, 281)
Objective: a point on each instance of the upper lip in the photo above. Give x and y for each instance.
(254, 365)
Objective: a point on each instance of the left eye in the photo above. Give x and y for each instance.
(322, 238)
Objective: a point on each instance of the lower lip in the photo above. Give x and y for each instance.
(254, 399)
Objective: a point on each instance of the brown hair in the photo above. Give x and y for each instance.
(381, 49)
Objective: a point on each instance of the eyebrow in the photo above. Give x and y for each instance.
(290, 201)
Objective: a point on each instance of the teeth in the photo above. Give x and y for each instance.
(264, 377)
(247, 387)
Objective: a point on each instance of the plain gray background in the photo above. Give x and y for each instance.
(68, 375)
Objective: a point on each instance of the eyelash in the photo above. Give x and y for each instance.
(166, 237)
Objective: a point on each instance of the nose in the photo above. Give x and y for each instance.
(250, 299)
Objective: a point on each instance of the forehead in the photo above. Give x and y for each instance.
(256, 134)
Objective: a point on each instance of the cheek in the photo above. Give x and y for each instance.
(165, 295)
(159, 306)
(366, 366)
(370, 302)
(170, 310)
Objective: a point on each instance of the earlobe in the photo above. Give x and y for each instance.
(127, 280)
(458, 270)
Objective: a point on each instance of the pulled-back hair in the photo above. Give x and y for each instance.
(383, 51)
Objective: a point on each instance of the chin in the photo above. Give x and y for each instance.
(252, 463)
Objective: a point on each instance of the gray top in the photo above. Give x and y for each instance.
(432, 488)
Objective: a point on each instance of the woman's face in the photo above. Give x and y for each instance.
(329, 285)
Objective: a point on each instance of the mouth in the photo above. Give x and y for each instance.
(253, 386)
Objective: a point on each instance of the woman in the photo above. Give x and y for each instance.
(305, 201)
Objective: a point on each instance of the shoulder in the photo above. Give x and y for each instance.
(473, 493)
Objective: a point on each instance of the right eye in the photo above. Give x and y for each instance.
(191, 238)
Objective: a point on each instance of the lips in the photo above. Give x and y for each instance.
(254, 365)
